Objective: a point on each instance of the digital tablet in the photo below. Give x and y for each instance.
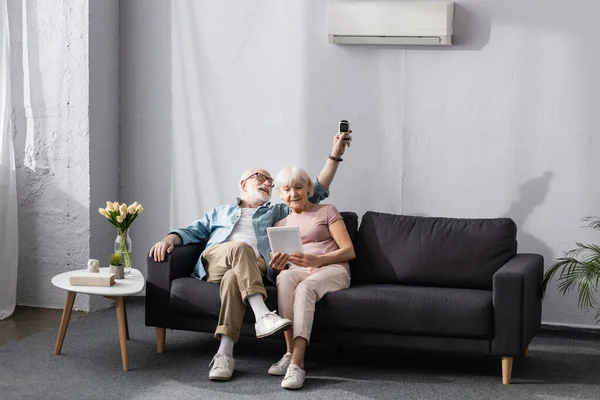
(285, 239)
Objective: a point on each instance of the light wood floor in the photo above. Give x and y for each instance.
(27, 321)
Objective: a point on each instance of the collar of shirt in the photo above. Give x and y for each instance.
(238, 202)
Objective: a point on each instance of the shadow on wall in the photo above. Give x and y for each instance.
(472, 26)
(47, 244)
(532, 194)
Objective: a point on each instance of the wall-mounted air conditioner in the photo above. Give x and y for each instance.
(390, 22)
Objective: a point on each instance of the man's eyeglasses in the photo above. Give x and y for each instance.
(261, 178)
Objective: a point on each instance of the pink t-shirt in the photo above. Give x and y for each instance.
(314, 228)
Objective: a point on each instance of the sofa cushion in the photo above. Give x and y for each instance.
(418, 310)
(195, 297)
(426, 251)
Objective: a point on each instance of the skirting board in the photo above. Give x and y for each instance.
(581, 330)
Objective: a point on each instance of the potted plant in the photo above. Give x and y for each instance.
(116, 265)
(579, 268)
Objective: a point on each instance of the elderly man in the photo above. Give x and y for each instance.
(237, 254)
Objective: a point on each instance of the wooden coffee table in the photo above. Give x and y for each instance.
(122, 288)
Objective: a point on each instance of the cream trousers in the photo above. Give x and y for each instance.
(298, 290)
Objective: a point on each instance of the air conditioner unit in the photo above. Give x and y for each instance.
(390, 22)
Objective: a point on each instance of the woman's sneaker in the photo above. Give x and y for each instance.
(294, 377)
(280, 368)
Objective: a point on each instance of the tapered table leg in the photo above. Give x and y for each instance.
(122, 322)
(126, 319)
(64, 322)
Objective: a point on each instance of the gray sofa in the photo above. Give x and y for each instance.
(431, 284)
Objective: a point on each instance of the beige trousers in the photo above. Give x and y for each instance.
(298, 290)
(240, 272)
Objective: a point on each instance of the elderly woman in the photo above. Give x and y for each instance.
(306, 277)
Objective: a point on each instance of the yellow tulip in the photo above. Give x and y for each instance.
(104, 212)
(139, 209)
(131, 209)
(116, 205)
(109, 206)
(120, 219)
(123, 209)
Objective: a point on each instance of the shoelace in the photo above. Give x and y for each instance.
(271, 315)
(219, 360)
(284, 360)
(292, 371)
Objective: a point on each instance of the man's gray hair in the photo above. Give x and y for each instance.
(244, 176)
(290, 175)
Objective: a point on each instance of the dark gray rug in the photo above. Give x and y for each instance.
(559, 367)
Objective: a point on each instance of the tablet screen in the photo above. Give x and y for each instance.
(285, 239)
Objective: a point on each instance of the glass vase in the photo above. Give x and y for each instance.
(123, 247)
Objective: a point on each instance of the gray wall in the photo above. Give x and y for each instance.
(104, 146)
(501, 124)
(145, 142)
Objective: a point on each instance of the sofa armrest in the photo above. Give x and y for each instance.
(517, 300)
(180, 263)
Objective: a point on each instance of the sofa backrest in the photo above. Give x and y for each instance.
(351, 221)
(427, 251)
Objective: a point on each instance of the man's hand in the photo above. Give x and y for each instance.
(305, 260)
(279, 261)
(159, 250)
(339, 144)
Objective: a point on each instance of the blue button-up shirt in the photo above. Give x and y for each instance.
(217, 224)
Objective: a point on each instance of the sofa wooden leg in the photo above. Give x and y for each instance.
(526, 353)
(160, 339)
(507, 363)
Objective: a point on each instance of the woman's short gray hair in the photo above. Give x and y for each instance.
(290, 175)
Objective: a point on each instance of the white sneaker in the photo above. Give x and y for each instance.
(271, 323)
(222, 368)
(294, 377)
(280, 368)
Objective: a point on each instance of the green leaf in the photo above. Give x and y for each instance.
(116, 259)
(593, 222)
(583, 274)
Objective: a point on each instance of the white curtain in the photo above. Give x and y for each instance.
(8, 191)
